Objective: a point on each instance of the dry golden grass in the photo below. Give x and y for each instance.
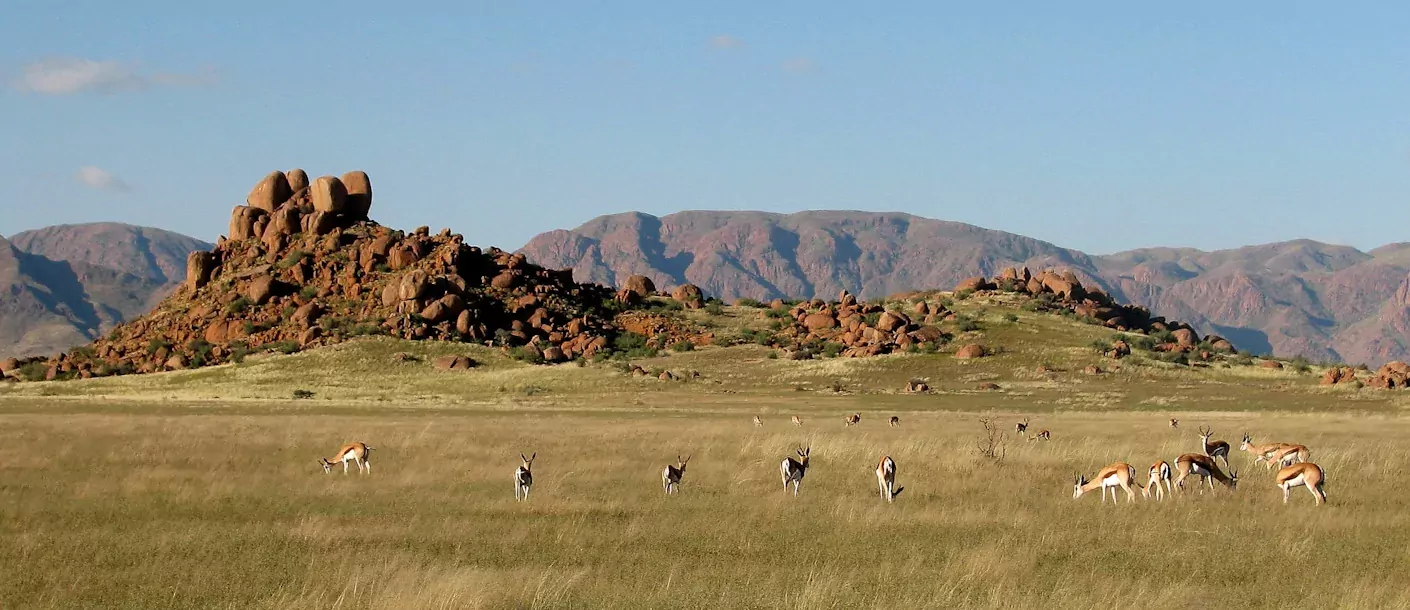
(200, 488)
(213, 506)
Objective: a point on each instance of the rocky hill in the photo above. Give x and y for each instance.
(67, 285)
(1293, 298)
(303, 266)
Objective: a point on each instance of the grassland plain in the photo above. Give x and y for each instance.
(200, 488)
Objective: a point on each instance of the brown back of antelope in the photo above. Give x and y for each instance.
(1302, 473)
(1203, 466)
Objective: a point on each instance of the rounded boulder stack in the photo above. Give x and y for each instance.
(329, 195)
(359, 194)
(270, 192)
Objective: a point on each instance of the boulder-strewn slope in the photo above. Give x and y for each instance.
(303, 268)
(1293, 298)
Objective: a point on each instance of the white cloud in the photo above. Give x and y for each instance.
(101, 179)
(799, 65)
(69, 75)
(725, 41)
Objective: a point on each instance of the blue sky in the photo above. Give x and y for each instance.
(1099, 126)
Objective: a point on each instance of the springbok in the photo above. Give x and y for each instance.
(852, 419)
(1218, 450)
(793, 470)
(1159, 474)
(1043, 435)
(671, 476)
(886, 479)
(895, 421)
(352, 452)
(1174, 423)
(523, 477)
(1261, 453)
(1287, 455)
(1116, 475)
(1021, 428)
(757, 421)
(796, 421)
(1204, 467)
(1302, 473)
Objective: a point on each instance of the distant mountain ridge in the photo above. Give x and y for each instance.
(1298, 297)
(66, 285)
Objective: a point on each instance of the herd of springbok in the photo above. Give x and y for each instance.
(1295, 469)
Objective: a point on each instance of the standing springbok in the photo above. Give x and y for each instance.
(852, 419)
(886, 479)
(1174, 423)
(1116, 475)
(895, 421)
(796, 421)
(352, 452)
(1204, 467)
(1021, 428)
(1159, 474)
(1302, 473)
(757, 421)
(793, 470)
(671, 476)
(1287, 455)
(1260, 453)
(523, 477)
(1218, 450)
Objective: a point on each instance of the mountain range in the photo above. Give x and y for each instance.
(1301, 297)
(66, 285)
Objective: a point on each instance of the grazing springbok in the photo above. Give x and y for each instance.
(523, 477)
(671, 476)
(1116, 475)
(1174, 423)
(1302, 473)
(886, 479)
(852, 419)
(1021, 428)
(1160, 474)
(1204, 467)
(352, 452)
(757, 421)
(1218, 450)
(895, 421)
(793, 470)
(1043, 435)
(796, 421)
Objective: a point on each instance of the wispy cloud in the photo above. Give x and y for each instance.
(799, 65)
(70, 75)
(100, 179)
(725, 41)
